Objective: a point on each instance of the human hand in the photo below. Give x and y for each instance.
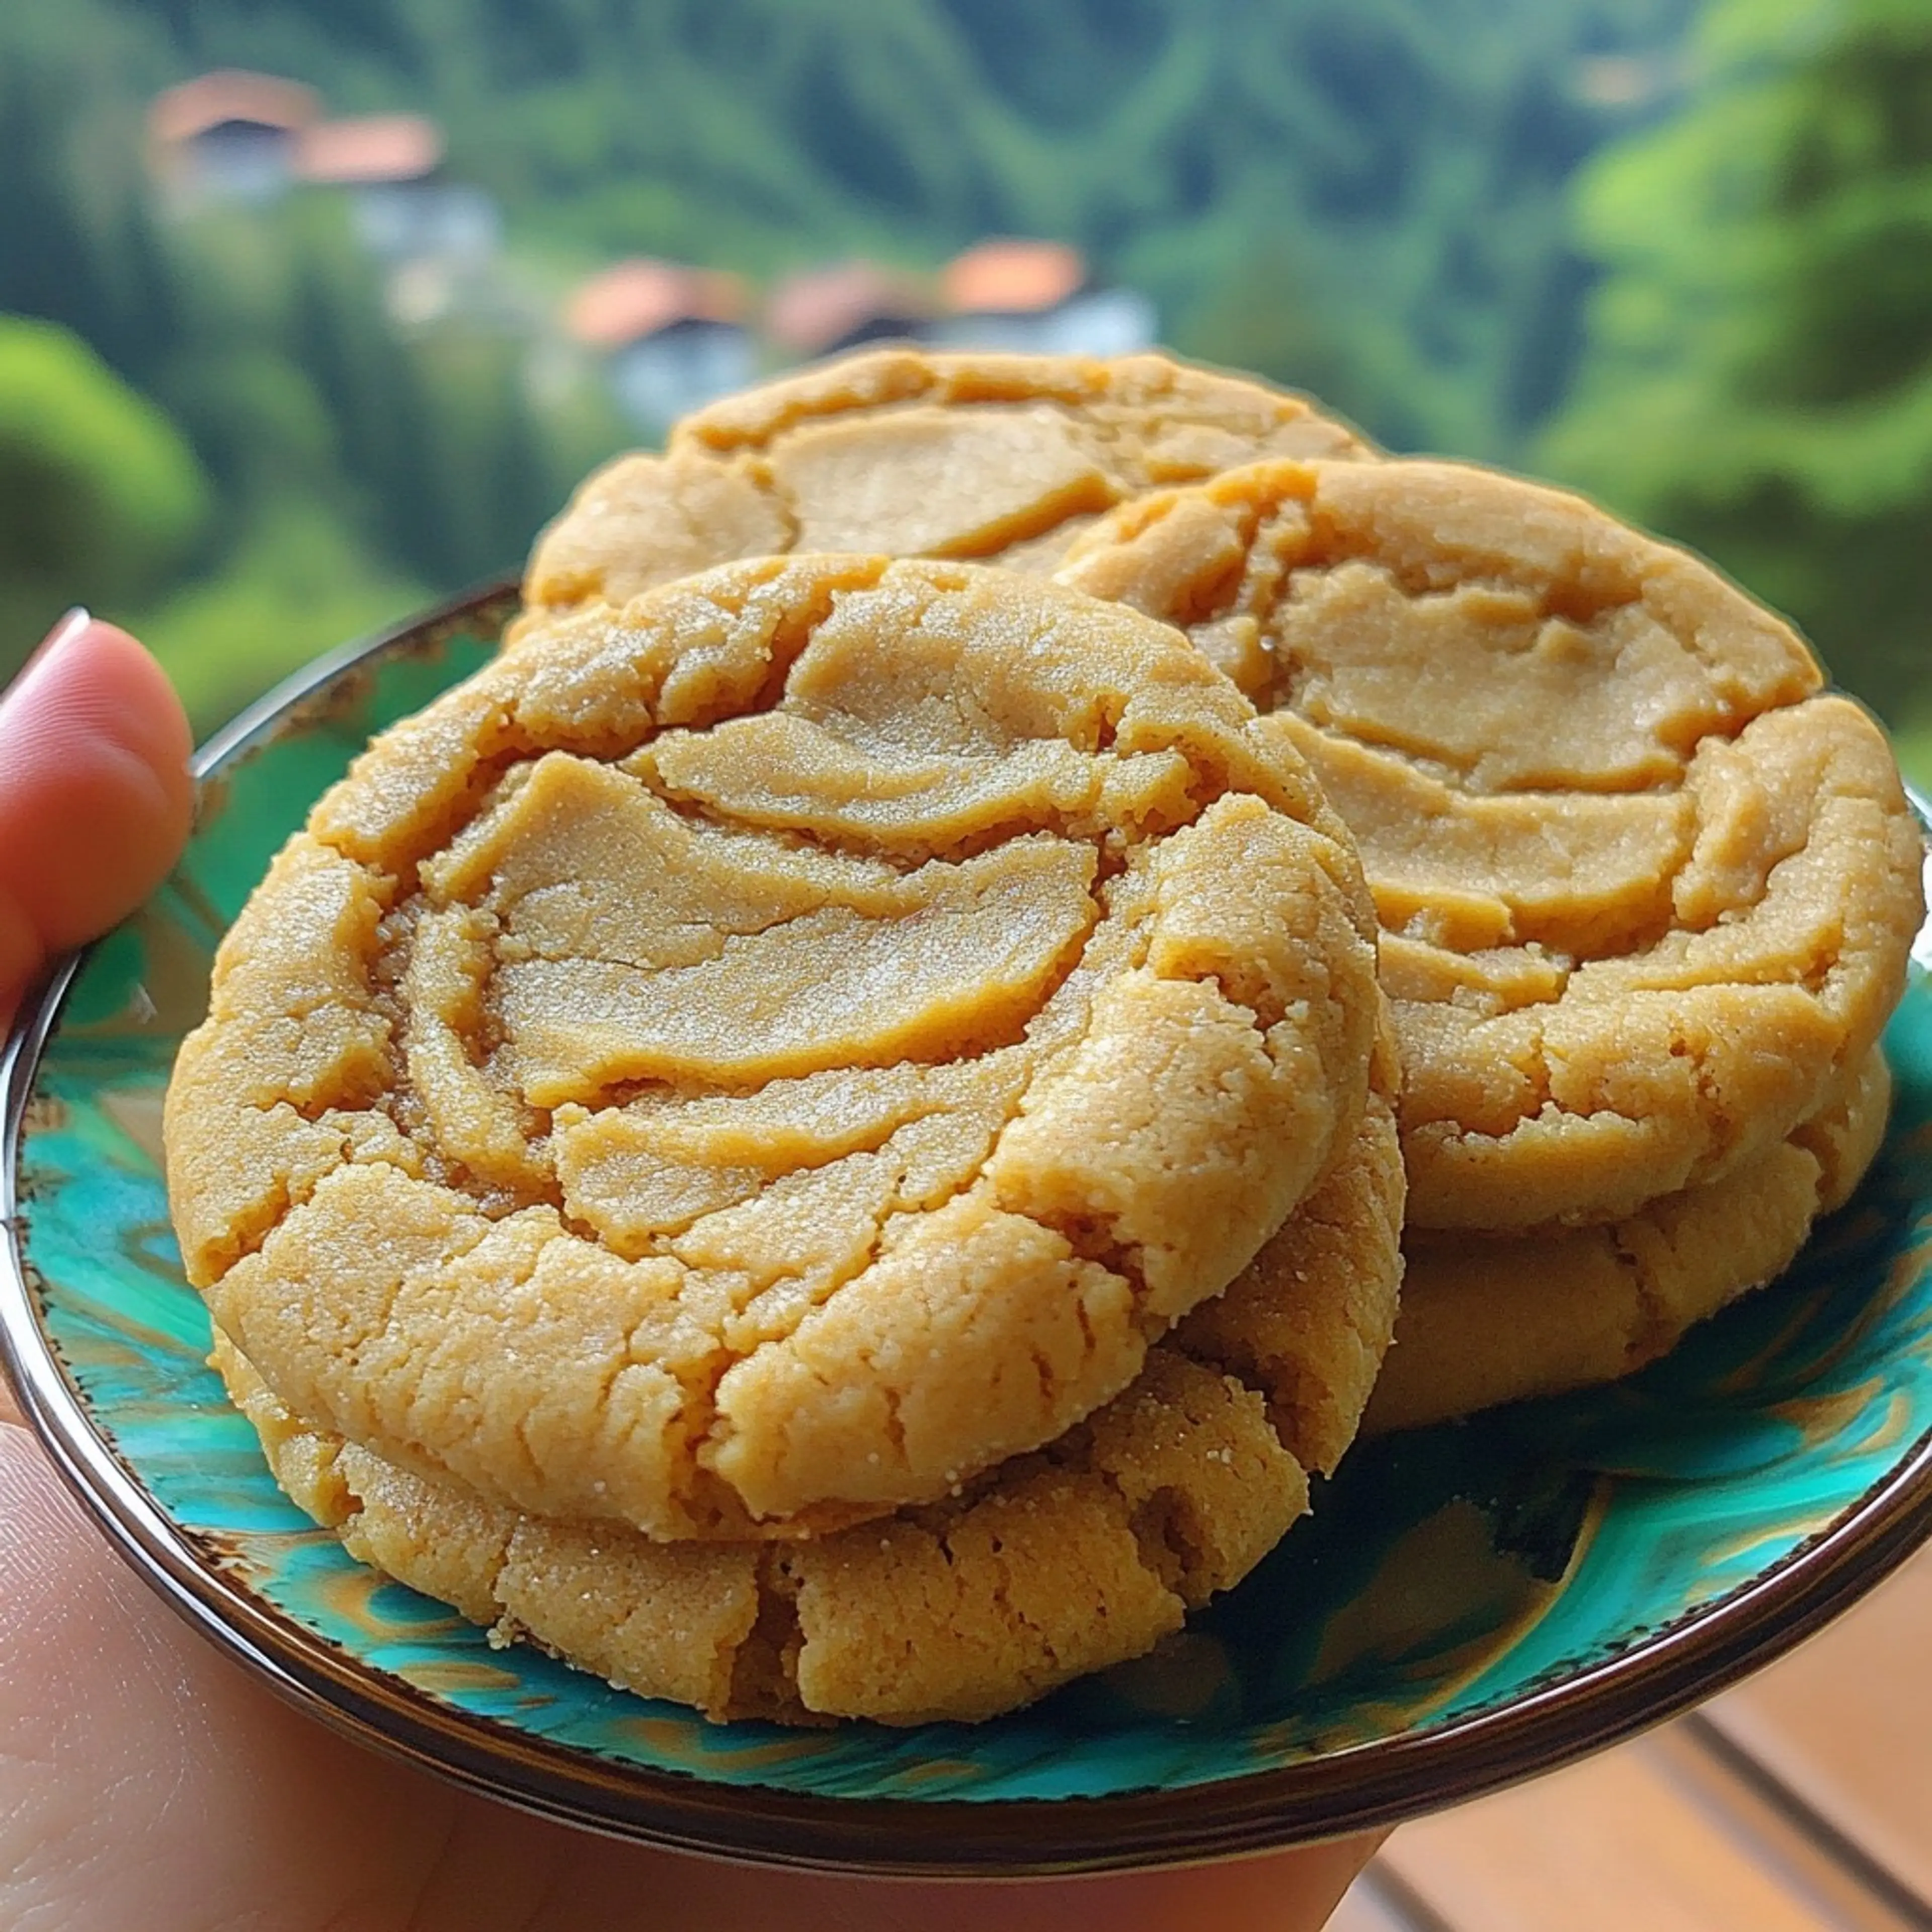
(144, 1781)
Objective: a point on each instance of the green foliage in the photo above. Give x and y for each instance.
(292, 376)
(1759, 376)
(100, 494)
(1365, 197)
(294, 584)
(1913, 745)
(339, 468)
(76, 247)
(1410, 157)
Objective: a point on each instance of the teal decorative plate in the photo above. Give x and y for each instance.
(1468, 1604)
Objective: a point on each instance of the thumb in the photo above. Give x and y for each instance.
(95, 797)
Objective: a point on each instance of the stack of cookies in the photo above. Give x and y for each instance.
(1646, 892)
(830, 1136)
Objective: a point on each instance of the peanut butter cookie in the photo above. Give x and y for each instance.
(782, 1048)
(1489, 1320)
(1645, 892)
(1081, 1555)
(993, 457)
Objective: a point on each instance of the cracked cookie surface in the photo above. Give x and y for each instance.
(1081, 1555)
(783, 1047)
(1486, 1321)
(1645, 891)
(996, 458)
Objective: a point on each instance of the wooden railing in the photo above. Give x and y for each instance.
(1800, 1801)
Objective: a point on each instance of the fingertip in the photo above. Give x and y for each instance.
(97, 691)
(136, 694)
(96, 798)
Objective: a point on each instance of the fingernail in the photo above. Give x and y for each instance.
(69, 627)
(75, 624)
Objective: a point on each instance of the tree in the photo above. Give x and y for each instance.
(100, 497)
(1361, 196)
(341, 470)
(1758, 380)
(1409, 157)
(76, 247)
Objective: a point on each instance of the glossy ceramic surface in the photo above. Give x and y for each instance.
(1468, 1603)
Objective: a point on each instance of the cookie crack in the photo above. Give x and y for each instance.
(906, 856)
(510, 748)
(1331, 544)
(778, 499)
(982, 1043)
(380, 1330)
(1001, 1601)
(1655, 1327)
(1173, 1542)
(899, 1209)
(761, 434)
(1277, 1381)
(410, 1114)
(250, 1232)
(1209, 780)
(1263, 596)
(763, 1671)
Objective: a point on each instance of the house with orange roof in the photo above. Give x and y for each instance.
(233, 137)
(404, 207)
(369, 150)
(1037, 296)
(230, 136)
(674, 337)
(821, 310)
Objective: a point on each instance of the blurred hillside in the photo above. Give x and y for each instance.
(1758, 378)
(1412, 207)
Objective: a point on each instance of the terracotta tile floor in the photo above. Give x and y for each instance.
(1802, 1802)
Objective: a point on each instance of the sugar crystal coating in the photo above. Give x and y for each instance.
(1486, 1321)
(1002, 458)
(1080, 1556)
(783, 1048)
(1645, 892)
